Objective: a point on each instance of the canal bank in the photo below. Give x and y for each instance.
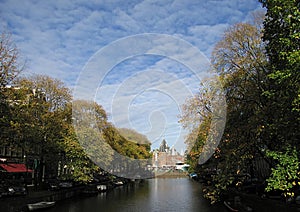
(157, 194)
(254, 201)
(171, 173)
(19, 203)
(265, 205)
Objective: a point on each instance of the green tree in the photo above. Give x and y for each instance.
(282, 96)
(282, 34)
(285, 175)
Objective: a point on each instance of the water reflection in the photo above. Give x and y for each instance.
(160, 194)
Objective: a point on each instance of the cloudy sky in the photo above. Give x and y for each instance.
(140, 59)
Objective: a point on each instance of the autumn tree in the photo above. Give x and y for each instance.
(102, 141)
(204, 115)
(89, 122)
(240, 62)
(196, 118)
(10, 67)
(134, 136)
(78, 165)
(10, 61)
(39, 121)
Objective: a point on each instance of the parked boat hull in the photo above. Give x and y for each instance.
(40, 205)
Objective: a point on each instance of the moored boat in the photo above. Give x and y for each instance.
(102, 188)
(193, 176)
(231, 206)
(118, 183)
(40, 205)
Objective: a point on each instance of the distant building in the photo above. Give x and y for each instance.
(166, 157)
(163, 146)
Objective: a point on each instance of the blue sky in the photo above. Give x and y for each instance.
(144, 92)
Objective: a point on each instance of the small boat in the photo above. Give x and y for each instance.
(237, 207)
(101, 188)
(194, 176)
(118, 183)
(40, 205)
(230, 207)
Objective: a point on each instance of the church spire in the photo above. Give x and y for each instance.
(163, 146)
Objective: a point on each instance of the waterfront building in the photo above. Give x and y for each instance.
(166, 157)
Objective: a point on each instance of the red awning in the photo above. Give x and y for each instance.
(15, 167)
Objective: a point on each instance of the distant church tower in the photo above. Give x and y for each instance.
(163, 146)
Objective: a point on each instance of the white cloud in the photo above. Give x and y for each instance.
(150, 101)
(59, 37)
(77, 29)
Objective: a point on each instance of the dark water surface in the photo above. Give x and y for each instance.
(160, 194)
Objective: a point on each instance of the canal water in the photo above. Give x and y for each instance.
(153, 195)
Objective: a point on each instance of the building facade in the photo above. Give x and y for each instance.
(166, 157)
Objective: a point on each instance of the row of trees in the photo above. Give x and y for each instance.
(37, 116)
(258, 66)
